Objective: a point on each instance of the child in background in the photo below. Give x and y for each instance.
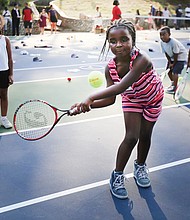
(131, 74)
(6, 74)
(176, 55)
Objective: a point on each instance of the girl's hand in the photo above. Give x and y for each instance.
(10, 79)
(85, 106)
(75, 109)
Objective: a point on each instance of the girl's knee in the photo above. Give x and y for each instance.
(130, 141)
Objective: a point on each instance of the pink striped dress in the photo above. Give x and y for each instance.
(145, 95)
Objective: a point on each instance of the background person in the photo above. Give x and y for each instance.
(27, 18)
(187, 15)
(15, 13)
(176, 56)
(52, 14)
(6, 74)
(43, 20)
(116, 11)
(7, 17)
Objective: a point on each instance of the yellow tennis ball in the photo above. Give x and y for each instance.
(180, 79)
(96, 79)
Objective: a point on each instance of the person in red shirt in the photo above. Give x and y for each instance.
(27, 18)
(116, 12)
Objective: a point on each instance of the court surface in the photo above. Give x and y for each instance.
(65, 175)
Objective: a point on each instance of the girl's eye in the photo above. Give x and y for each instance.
(112, 41)
(124, 39)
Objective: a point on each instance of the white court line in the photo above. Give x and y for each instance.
(70, 65)
(100, 118)
(82, 188)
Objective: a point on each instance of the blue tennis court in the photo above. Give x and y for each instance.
(65, 175)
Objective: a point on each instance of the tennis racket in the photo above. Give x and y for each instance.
(181, 87)
(34, 119)
(163, 74)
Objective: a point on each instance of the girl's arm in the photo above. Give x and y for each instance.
(10, 60)
(139, 65)
(109, 100)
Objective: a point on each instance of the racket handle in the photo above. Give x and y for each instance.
(70, 112)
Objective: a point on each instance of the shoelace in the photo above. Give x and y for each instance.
(142, 172)
(119, 182)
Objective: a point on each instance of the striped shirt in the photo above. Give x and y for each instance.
(145, 93)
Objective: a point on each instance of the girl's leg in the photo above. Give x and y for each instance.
(117, 180)
(132, 126)
(4, 101)
(144, 140)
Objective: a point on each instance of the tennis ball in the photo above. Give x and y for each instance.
(96, 79)
(180, 79)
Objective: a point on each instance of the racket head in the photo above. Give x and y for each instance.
(34, 119)
(180, 89)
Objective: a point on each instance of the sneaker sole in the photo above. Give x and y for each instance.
(117, 196)
(143, 186)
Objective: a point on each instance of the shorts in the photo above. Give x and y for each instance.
(4, 79)
(178, 67)
(150, 110)
(27, 24)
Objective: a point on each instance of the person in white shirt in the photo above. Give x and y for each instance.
(187, 15)
(176, 55)
(166, 14)
(7, 17)
(6, 74)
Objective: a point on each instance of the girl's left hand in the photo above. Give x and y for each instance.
(10, 80)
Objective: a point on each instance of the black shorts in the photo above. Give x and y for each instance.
(27, 24)
(4, 79)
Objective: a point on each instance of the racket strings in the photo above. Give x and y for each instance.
(34, 120)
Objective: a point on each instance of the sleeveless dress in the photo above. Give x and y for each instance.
(145, 95)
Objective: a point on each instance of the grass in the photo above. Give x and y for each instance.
(74, 7)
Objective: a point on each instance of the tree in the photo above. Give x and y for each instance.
(3, 3)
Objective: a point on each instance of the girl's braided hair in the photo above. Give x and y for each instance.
(118, 24)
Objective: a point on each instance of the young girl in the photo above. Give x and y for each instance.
(6, 74)
(131, 74)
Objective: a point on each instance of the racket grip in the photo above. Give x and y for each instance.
(70, 112)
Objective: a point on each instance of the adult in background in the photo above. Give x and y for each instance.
(116, 12)
(179, 13)
(15, 13)
(187, 15)
(166, 14)
(42, 21)
(7, 17)
(27, 18)
(52, 18)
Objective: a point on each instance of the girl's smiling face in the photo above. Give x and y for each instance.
(120, 42)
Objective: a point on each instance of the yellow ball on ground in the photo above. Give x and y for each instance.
(96, 79)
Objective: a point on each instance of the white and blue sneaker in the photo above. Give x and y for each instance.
(5, 123)
(141, 175)
(117, 185)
